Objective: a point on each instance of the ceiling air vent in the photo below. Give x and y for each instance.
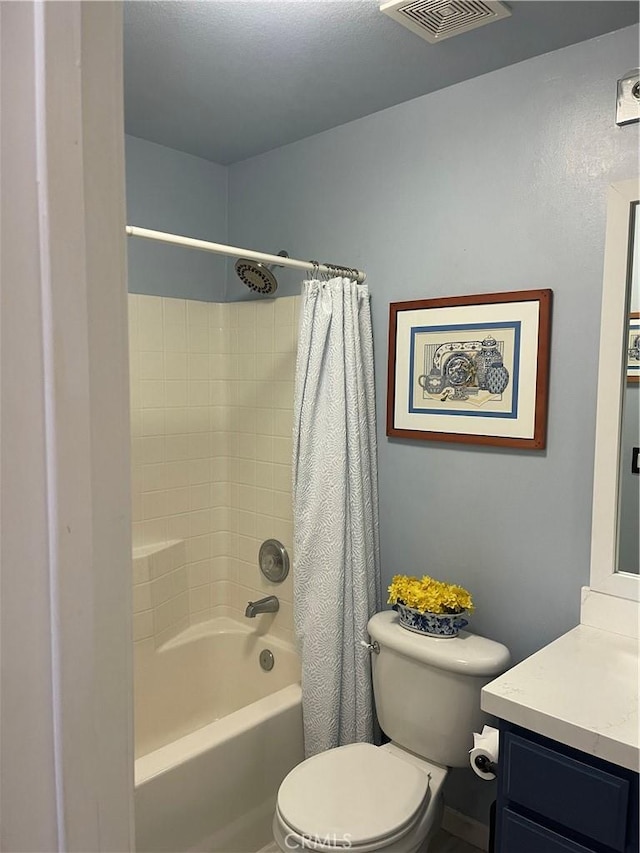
(436, 20)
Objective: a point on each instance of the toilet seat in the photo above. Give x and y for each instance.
(357, 796)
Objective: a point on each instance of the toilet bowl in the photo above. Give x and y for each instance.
(388, 798)
(361, 798)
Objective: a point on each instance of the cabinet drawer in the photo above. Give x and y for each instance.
(565, 790)
(519, 835)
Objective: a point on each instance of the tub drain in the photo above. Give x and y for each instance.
(266, 659)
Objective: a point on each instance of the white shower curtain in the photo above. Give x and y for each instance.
(335, 511)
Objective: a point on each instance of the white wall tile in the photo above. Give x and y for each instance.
(246, 314)
(199, 522)
(219, 568)
(217, 316)
(264, 339)
(282, 450)
(198, 339)
(265, 313)
(284, 310)
(143, 625)
(176, 448)
(283, 423)
(199, 573)
(175, 365)
(141, 597)
(198, 547)
(154, 505)
(212, 399)
(199, 496)
(264, 448)
(199, 419)
(151, 365)
(178, 526)
(176, 474)
(175, 311)
(150, 310)
(200, 598)
(247, 340)
(140, 569)
(198, 393)
(151, 449)
(176, 420)
(198, 313)
(282, 478)
(198, 365)
(175, 338)
(177, 501)
(282, 505)
(151, 393)
(152, 421)
(150, 337)
(175, 393)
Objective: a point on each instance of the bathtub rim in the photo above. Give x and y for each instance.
(224, 625)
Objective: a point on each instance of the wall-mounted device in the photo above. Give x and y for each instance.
(628, 100)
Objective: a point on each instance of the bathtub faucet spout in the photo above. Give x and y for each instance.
(270, 604)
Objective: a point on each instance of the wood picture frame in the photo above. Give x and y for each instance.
(471, 369)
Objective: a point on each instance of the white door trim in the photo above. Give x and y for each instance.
(66, 715)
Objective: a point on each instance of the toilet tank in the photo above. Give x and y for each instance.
(427, 689)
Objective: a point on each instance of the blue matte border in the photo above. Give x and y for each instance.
(515, 325)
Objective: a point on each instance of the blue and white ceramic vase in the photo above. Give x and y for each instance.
(497, 378)
(431, 624)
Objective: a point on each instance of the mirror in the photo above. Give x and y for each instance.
(615, 537)
(629, 478)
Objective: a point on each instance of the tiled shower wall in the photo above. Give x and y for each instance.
(211, 410)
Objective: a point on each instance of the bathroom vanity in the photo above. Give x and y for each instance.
(569, 747)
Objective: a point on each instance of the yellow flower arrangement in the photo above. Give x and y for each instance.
(429, 595)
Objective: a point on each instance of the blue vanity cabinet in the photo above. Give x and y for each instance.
(555, 799)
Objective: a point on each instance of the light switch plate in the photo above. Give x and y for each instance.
(628, 101)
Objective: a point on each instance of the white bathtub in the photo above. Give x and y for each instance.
(215, 736)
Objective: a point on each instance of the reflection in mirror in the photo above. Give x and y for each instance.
(629, 479)
(614, 528)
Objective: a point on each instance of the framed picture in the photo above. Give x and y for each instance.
(471, 369)
(633, 349)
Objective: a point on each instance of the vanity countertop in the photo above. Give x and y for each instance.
(580, 690)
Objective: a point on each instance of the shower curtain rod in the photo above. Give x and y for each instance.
(222, 249)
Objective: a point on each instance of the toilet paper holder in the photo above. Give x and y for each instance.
(485, 765)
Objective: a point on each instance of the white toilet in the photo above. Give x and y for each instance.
(364, 798)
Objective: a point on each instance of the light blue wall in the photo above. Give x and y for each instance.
(493, 184)
(171, 191)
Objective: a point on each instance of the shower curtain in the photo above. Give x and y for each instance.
(335, 512)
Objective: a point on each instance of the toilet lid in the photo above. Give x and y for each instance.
(352, 795)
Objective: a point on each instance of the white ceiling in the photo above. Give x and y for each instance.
(229, 79)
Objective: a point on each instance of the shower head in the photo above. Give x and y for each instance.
(258, 277)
